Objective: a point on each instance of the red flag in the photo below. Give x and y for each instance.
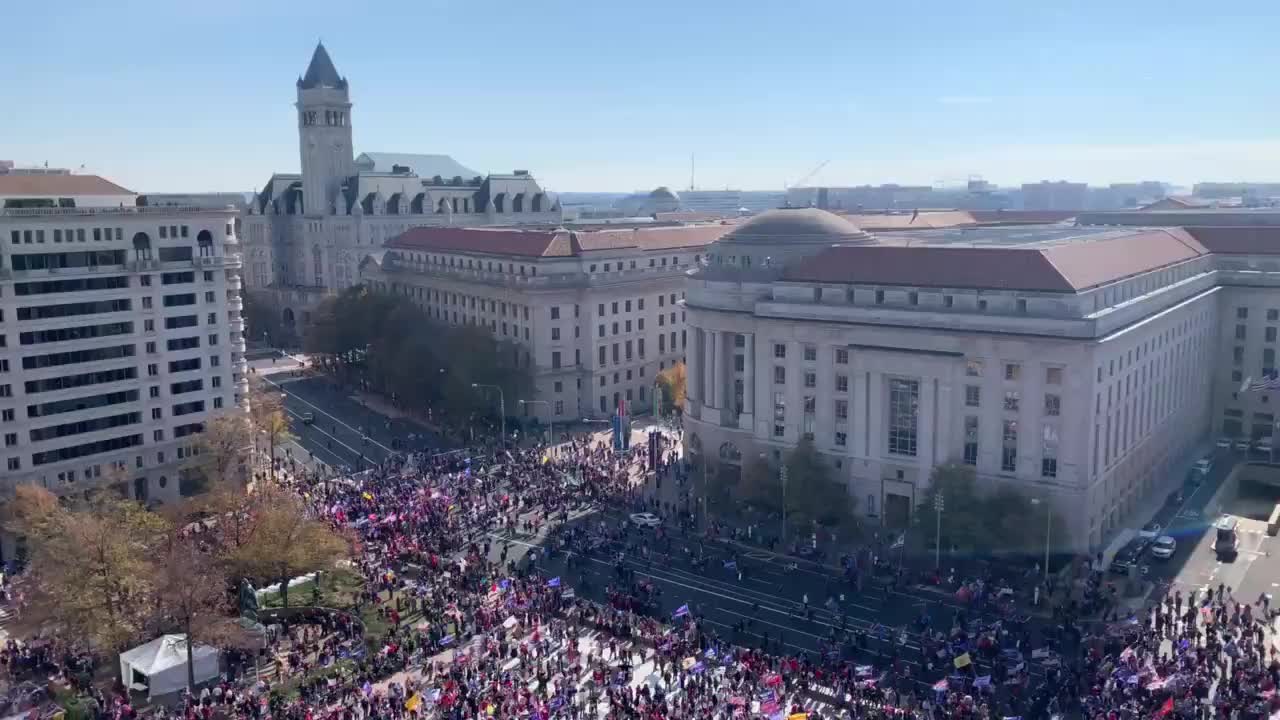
(1165, 709)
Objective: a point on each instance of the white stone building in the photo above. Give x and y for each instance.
(120, 334)
(596, 312)
(1087, 366)
(305, 234)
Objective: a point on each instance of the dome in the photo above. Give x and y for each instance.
(805, 225)
(663, 193)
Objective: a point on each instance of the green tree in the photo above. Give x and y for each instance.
(285, 543)
(759, 485)
(813, 495)
(962, 514)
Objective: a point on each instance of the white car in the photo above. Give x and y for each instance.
(1164, 547)
(1150, 531)
(643, 520)
(1224, 443)
(1243, 445)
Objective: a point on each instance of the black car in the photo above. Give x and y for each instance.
(1129, 557)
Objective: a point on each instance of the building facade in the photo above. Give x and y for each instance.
(122, 335)
(1086, 366)
(597, 313)
(306, 233)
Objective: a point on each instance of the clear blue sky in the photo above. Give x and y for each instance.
(607, 95)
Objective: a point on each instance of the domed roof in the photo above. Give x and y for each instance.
(663, 193)
(797, 224)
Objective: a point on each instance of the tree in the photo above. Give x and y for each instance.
(812, 494)
(674, 384)
(224, 445)
(760, 485)
(190, 595)
(91, 575)
(962, 514)
(286, 543)
(30, 511)
(268, 418)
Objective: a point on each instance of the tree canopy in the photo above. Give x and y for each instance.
(410, 356)
(673, 383)
(813, 495)
(997, 521)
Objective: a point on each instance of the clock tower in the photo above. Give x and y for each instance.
(324, 134)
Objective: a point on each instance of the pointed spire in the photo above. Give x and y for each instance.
(321, 72)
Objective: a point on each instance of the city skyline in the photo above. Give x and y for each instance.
(594, 99)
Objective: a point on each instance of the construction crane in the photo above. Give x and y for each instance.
(808, 175)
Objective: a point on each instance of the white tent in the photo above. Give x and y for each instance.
(160, 666)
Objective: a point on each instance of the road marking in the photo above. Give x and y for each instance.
(328, 414)
(322, 432)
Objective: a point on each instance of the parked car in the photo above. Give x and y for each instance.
(1243, 445)
(1129, 557)
(1150, 531)
(308, 418)
(643, 520)
(1164, 547)
(1226, 541)
(1204, 466)
(1224, 443)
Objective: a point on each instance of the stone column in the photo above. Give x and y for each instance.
(749, 375)
(708, 368)
(693, 372)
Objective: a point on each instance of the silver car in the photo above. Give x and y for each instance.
(1164, 547)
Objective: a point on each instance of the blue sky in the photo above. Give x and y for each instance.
(606, 95)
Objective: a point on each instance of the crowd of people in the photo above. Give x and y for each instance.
(473, 632)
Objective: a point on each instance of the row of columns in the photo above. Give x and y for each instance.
(713, 377)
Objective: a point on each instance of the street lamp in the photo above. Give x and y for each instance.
(938, 504)
(784, 474)
(1048, 524)
(551, 421)
(502, 409)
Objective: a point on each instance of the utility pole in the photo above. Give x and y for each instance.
(938, 504)
(784, 473)
(502, 409)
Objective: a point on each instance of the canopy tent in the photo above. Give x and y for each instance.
(160, 666)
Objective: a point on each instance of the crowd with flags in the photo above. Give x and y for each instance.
(498, 638)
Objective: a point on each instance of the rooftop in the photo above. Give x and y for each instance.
(321, 72)
(55, 186)
(557, 242)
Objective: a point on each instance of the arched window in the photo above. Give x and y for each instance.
(442, 206)
(205, 242)
(141, 246)
(517, 203)
(500, 203)
(538, 202)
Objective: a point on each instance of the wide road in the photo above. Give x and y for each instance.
(344, 433)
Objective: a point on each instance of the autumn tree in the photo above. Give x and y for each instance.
(673, 382)
(91, 575)
(268, 418)
(30, 511)
(224, 448)
(286, 543)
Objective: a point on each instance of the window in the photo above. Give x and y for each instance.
(1022, 305)
(1011, 400)
(1052, 405)
(555, 333)
(555, 360)
(842, 383)
(1237, 376)
(1242, 313)
(1270, 334)
(614, 308)
(879, 297)
(10, 439)
(1241, 332)
(1273, 315)
(970, 440)
(842, 410)
(555, 313)
(1009, 447)
(810, 353)
(842, 356)
(779, 350)
(1012, 371)
(1237, 355)
(904, 400)
(1053, 376)
(973, 368)
(601, 330)
(1049, 453)
(779, 375)
(810, 379)
(913, 298)
(601, 353)
(842, 438)
(972, 395)
(15, 463)
(739, 363)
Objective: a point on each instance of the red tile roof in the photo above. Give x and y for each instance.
(1066, 268)
(1239, 240)
(524, 243)
(58, 186)
(666, 238)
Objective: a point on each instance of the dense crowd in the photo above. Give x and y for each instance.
(494, 637)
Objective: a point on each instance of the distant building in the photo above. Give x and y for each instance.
(593, 313)
(1060, 195)
(306, 233)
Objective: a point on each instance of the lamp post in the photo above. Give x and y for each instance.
(551, 423)
(784, 474)
(938, 504)
(502, 409)
(1048, 526)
